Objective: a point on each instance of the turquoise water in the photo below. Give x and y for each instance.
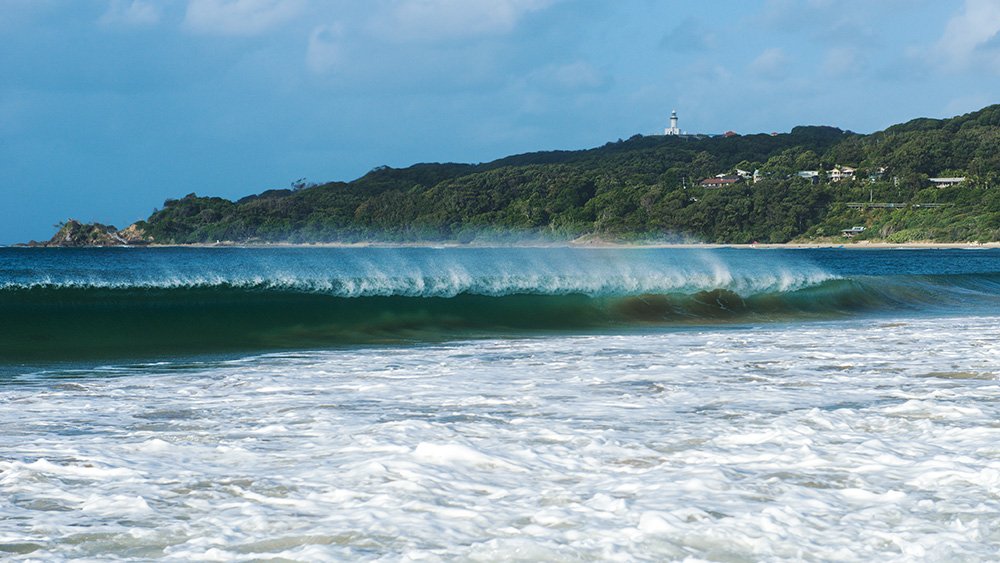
(79, 304)
(499, 404)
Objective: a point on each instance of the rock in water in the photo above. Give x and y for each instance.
(73, 233)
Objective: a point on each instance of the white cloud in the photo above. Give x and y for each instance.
(239, 17)
(324, 52)
(576, 76)
(431, 20)
(690, 36)
(840, 22)
(770, 64)
(843, 61)
(131, 13)
(552, 88)
(969, 36)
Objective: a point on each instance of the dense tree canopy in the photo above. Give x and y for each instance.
(640, 188)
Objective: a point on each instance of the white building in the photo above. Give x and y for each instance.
(946, 182)
(673, 129)
(841, 173)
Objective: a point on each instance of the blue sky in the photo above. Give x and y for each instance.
(107, 107)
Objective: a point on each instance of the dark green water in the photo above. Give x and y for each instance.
(64, 304)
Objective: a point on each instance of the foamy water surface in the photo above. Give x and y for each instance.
(412, 272)
(855, 440)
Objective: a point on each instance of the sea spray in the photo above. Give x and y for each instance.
(62, 304)
(418, 272)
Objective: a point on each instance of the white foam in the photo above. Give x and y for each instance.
(498, 272)
(757, 444)
(457, 453)
(83, 471)
(116, 506)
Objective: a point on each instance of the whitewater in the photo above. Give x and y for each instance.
(692, 405)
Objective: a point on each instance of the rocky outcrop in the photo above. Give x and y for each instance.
(133, 235)
(73, 233)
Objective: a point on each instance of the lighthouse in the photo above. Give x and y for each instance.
(673, 129)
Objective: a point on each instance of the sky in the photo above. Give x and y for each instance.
(109, 107)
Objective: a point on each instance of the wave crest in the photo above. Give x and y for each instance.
(460, 282)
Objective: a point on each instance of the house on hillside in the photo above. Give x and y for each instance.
(720, 181)
(841, 173)
(850, 233)
(946, 182)
(811, 175)
(877, 174)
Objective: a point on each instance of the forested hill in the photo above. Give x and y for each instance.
(645, 187)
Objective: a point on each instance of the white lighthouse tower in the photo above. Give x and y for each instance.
(673, 129)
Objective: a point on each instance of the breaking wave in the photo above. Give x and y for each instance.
(69, 304)
(77, 320)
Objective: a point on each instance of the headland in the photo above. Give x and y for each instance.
(922, 183)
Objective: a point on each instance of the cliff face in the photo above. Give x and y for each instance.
(132, 235)
(73, 233)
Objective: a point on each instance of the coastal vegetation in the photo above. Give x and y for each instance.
(646, 187)
(75, 233)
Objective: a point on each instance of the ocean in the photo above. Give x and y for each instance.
(499, 404)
